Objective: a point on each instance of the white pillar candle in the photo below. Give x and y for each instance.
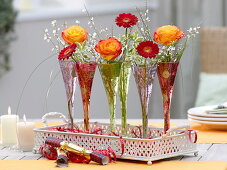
(8, 129)
(25, 135)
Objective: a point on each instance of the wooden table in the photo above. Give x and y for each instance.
(207, 152)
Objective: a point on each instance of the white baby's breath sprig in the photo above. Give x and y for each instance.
(193, 31)
(53, 23)
(77, 22)
(91, 22)
(143, 27)
(48, 39)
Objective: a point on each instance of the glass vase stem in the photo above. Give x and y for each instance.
(144, 120)
(123, 93)
(112, 108)
(70, 108)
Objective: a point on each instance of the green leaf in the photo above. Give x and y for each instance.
(84, 45)
(139, 39)
(79, 46)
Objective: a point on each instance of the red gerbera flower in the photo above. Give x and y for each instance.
(147, 49)
(126, 20)
(67, 52)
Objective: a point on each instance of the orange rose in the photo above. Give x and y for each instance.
(168, 34)
(75, 34)
(109, 49)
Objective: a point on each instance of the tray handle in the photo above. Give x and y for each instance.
(184, 126)
(53, 115)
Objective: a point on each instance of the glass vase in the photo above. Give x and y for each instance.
(110, 75)
(123, 94)
(144, 77)
(85, 74)
(69, 77)
(166, 74)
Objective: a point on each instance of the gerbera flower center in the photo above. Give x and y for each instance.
(126, 20)
(67, 51)
(147, 49)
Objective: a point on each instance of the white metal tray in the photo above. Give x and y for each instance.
(177, 141)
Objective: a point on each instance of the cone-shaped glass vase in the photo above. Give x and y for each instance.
(85, 74)
(144, 77)
(69, 77)
(123, 93)
(166, 74)
(110, 75)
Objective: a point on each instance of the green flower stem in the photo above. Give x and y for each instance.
(86, 115)
(112, 108)
(70, 112)
(145, 121)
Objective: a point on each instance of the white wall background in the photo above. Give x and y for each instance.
(30, 49)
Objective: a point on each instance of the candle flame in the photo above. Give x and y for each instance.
(9, 110)
(24, 118)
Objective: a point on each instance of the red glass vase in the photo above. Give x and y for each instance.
(85, 74)
(166, 74)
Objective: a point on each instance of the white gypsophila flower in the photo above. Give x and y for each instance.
(52, 49)
(190, 30)
(147, 11)
(46, 30)
(91, 18)
(77, 22)
(94, 35)
(54, 31)
(83, 10)
(59, 29)
(148, 19)
(53, 23)
(163, 47)
(102, 30)
(193, 31)
(171, 48)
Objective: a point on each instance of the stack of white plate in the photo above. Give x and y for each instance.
(214, 121)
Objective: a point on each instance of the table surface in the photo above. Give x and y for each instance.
(206, 152)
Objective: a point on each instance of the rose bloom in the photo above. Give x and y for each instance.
(75, 34)
(168, 34)
(109, 49)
